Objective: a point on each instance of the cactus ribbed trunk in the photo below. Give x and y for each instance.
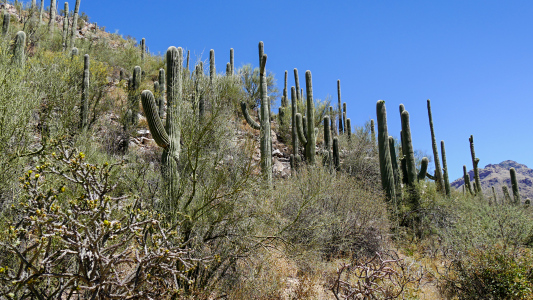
(445, 175)
(134, 95)
(341, 124)
(266, 142)
(349, 128)
(74, 24)
(332, 124)
(84, 107)
(344, 116)
(475, 162)
(327, 141)
(65, 27)
(297, 86)
(395, 168)
(295, 144)
(414, 197)
(52, 21)
(423, 169)
(231, 61)
(212, 69)
(174, 61)
(336, 157)
(161, 103)
(439, 180)
(494, 195)
(373, 133)
(143, 48)
(5, 24)
(514, 187)
(385, 163)
(466, 178)
(19, 58)
(310, 146)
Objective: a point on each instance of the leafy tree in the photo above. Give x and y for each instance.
(250, 81)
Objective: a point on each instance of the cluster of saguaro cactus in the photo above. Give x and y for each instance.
(74, 24)
(5, 24)
(168, 137)
(264, 126)
(84, 106)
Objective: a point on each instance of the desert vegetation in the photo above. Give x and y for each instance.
(127, 175)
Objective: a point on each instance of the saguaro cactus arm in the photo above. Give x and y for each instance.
(299, 128)
(154, 121)
(248, 118)
(423, 169)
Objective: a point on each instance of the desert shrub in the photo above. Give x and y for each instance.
(71, 234)
(333, 214)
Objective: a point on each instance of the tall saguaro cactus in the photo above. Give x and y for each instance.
(514, 187)
(74, 24)
(297, 85)
(52, 21)
(84, 107)
(475, 162)
(169, 136)
(19, 58)
(264, 125)
(445, 169)
(212, 69)
(65, 27)
(408, 152)
(311, 138)
(438, 171)
(295, 144)
(341, 124)
(231, 61)
(385, 163)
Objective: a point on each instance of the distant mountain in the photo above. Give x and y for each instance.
(498, 175)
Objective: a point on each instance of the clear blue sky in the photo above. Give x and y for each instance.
(473, 59)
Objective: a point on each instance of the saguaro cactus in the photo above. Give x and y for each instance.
(168, 137)
(19, 58)
(395, 168)
(439, 180)
(385, 163)
(65, 27)
(341, 124)
(74, 52)
(212, 69)
(134, 95)
(84, 107)
(143, 48)
(408, 152)
(423, 169)
(327, 139)
(349, 127)
(74, 24)
(52, 21)
(310, 145)
(161, 103)
(336, 156)
(295, 145)
(297, 85)
(466, 178)
(231, 61)
(264, 126)
(5, 24)
(494, 195)
(373, 133)
(445, 169)
(514, 186)
(41, 10)
(506, 196)
(344, 117)
(475, 162)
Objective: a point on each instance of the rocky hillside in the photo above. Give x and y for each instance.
(498, 175)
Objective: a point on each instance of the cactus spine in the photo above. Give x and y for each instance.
(74, 23)
(52, 20)
(65, 27)
(231, 61)
(341, 124)
(385, 164)
(514, 186)
(5, 24)
(445, 170)
(438, 171)
(19, 57)
(466, 178)
(84, 107)
(475, 162)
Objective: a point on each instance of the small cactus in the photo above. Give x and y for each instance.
(231, 61)
(373, 133)
(494, 195)
(134, 95)
(475, 162)
(212, 69)
(344, 117)
(84, 107)
(408, 152)
(327, 141)
(74, 52)
(332, 124)
(514, 186)
(19, 58)
(349, 128)
(143, 48)
(506, 196)
(310, 145)
(466, 178)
